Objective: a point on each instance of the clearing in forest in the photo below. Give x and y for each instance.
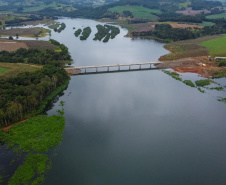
(216, 46)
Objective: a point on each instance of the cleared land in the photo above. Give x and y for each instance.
(137, 11)
(15, 45)
(205, 23)
(217, 16)
(217, 46)
(191, 12)
(188, 48)
(11, 45)
(180, 25)
(3, 70)
(16, 68)
(25, 32)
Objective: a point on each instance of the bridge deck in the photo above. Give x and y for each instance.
(83, 69)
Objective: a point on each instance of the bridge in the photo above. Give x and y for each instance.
(111, 68)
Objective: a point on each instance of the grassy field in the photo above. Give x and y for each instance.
(188, 48)
(42, 6)
(205, 23)
(3, 70)
(137, 11)
(216, 46)
(15, 68)
(217, 16)
(184, 5)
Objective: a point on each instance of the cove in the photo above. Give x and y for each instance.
(137, 127)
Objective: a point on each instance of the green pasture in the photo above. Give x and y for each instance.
(217, 16)
(3, 70)
(205, 23)
(217, 47)
(42, 6)
(137, 11)
(184, 5)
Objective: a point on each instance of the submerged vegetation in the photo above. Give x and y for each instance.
(85, 33)
(37, 134)
(78, 32)
(202, 83)
(107, 32)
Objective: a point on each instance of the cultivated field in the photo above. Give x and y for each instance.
(25, 32)
(191, 12)
(180, 25)
(3, 70)
(217, 46)
(15, 68)
(188, 48)
(137, 11)
(217, 16)
(11, 45)
(14, 45)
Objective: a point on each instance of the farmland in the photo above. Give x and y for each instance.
(189, 48)
(3, 70)
(137, 11)
(33, 44)
(13, 69)
(216, 46)
(217, 16)
(25, 32)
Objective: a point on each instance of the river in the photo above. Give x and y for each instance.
(134, 128)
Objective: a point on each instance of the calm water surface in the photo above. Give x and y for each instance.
(135, 128)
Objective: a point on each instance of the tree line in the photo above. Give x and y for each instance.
(167, 32)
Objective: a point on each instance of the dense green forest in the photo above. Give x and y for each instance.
(166, 32)
(27, 93)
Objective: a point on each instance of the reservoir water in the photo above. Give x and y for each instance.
(134, 128)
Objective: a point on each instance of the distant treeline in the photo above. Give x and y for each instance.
(166, 32)
(102, 11)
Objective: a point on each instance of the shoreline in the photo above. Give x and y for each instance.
(42, 106)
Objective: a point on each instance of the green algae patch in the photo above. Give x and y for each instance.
(189, 83)
(37, 134)
(202, 83)
(34, 137)
(32, 170)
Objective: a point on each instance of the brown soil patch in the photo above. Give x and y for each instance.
(7, 128)
(192, 65)
(72, 71)
(38, 44)
(142, 27)
(12, 45)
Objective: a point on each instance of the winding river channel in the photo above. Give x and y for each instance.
(134, 128)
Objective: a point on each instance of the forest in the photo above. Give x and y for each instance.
(26, 94)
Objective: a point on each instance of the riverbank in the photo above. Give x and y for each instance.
(43, 105)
